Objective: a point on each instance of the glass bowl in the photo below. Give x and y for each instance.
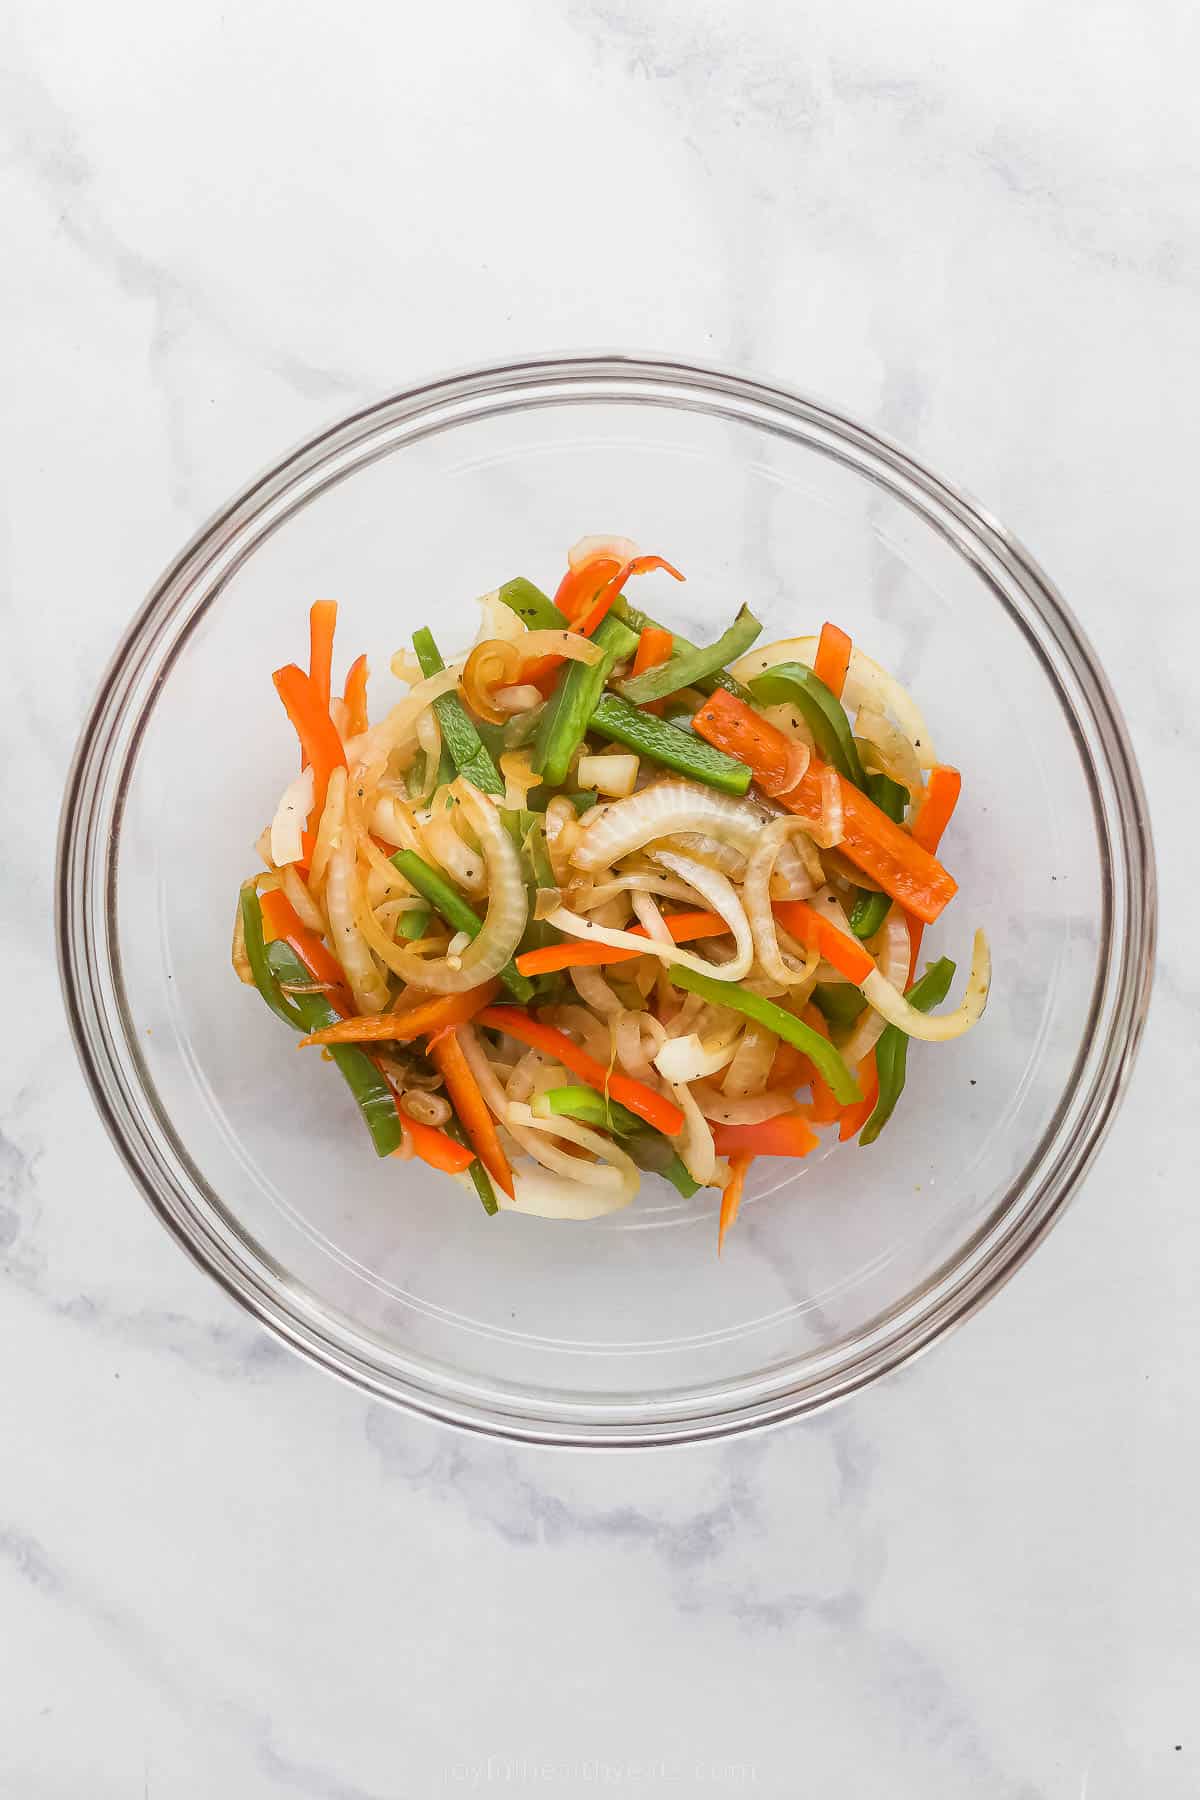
(627, 1330)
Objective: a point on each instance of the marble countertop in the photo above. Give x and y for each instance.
(221, 1573)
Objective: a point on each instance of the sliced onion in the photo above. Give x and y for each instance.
(562, 836)
(521, 698)
(890, 751)
(303, 904)
(695, 1142)
(595, 992)
(543, 1195)
(498, 620)
(721, 897)
(756, 892)
(638, 1037)
(935, 1028)
(612, 773)
(796, 768)
(750, 1109)
(329, 831)
(650, 918)
(390, 820)
(494, 663)
(867, 682)
(349, 944)
(748, 1072)
(684, 1059)
(892, 949)
(399, 729)
(426, 1109)
(585, 898)
(442, 841)
(295, 804)
(662, 811)
(519, 776)
(507, 911)
(583, 1025)
(572, 646)
(586, 549)
(709, 850)
(615, 1171)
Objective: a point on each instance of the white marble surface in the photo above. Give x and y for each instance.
(220, 1572)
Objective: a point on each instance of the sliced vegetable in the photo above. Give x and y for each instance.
(667, 745)
(474, 1115)
(322, 622)
(731, 1197)
(839, 1003)
(455, 910)
(898, 1010)
(638, 621)
(684, 927)
(437, 1148)
(441, 1014)
(820, 1051)
(855, 1117)
(932, 817)
(370, 1088)
(612, 774)
(688, 667)
(565, 721)
(255, 946)
(648, 1148)
(792, 684)
(354, 697)
(584, 581)
(587, 620)
(281, 921)
(655, 646)
(871, 841)
(414, 923)
(529, 603)
(871, 909)
(825, 1106)
(459, 735)
(809, 926)
(891, 1052)
(481, 1181)
(787, 1134)
(318, 736)
(833, 658)
(662, 1114)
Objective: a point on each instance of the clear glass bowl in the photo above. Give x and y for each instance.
(627, 1330)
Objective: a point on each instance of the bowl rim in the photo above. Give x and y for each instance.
(89, 835)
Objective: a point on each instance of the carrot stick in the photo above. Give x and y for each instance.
(787, 1134)
(872, 842)
(318, 736)
(833, 658)
(731, 1198)
(354, 696)
(442, 1014)
(446, 1054)
(663, 1114)
(280, 920)
(933, 816)
(436, 1148)
(684, 927)
(813, 929)
(855, 1117)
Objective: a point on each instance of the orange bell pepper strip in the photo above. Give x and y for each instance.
(436, 1148)
(354, 696)
(591, 605)
(855, 1117)
(318, 736)
(826, 1106)
(474, 1115)
(441, 1014)
(731, 1197)
(654, 1108)
(322, 622)
(281, 920)
(787, 1134)
(685, 928)
(789, 1069)
(833, 658)
(580, 586)
(810, 927)
(655, 647)
(933, 815)
(883, 850)
(587, 620)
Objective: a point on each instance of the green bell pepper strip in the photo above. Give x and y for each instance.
(638, 621)
(530, 604)
(376, 1102)
(687, 667)
(260, 967)
(891, 1052)
(414, 923)
(564, 723)
(649, 1149)
(793, 684)
(459, 735)
(838, 1002)
(583, 801)
(519, 729)
(870, 909)
(480, 1179)
(665, 743)
(818, 1049)
(454, 909)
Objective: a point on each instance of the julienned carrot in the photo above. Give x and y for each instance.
(684, 927)
(731, 1198)
(663, 1114)
(807, 924)
(436, 1148)
(833, 658)
(825, 1106)
(446, 1054)
(872, 842)
(318, 736)
(932, 817)
(787, 1134)
(855, 1117)
(280, 920)
(322, 622)
(441, 1014)
(354, 696)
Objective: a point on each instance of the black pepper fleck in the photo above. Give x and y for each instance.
(972, 1081)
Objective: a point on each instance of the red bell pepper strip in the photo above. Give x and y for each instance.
(318, 736)
(280, 920)
(436, 1148)
(587, 620)
(663, 1114)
